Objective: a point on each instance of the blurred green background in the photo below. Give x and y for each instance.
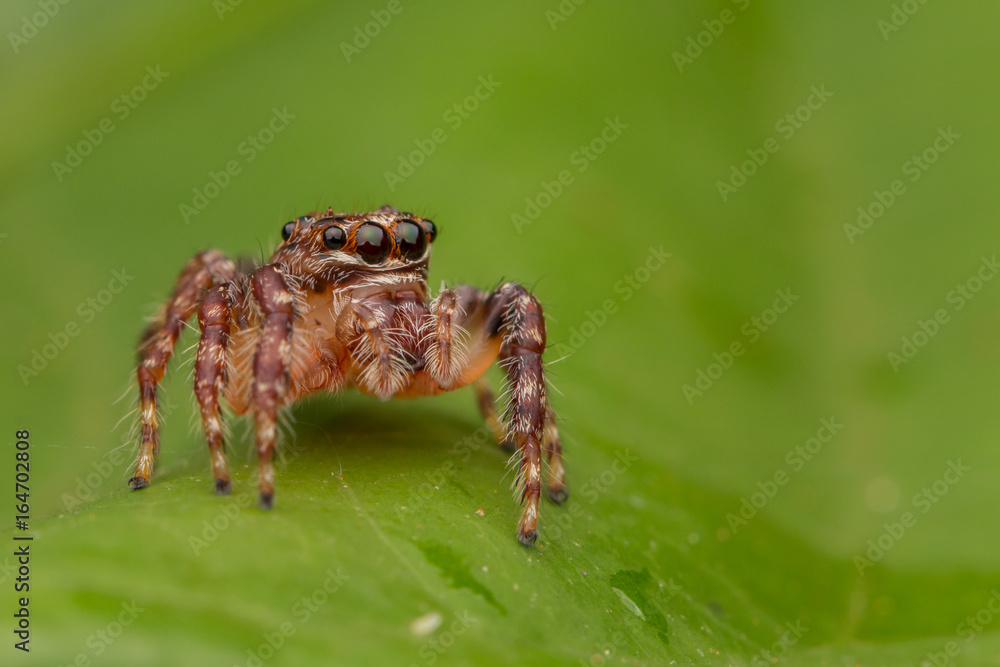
(649, 563)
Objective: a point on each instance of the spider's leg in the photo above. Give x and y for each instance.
(513, 313)
(157, 345)
(508, 324)
(215, 317)
(556, 488)
(487, 406)
(447, 354)
(271, 366)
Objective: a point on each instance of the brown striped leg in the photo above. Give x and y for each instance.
(487, 406)
(447, 354)
(556, 488)
(271, 366)
(215, 317)
(157, 345)
(517, 315)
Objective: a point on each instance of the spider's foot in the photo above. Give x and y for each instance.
(527, 537)
(266, 500)
(507, 445)
(558, 494)
(137, 483)
(223, 487)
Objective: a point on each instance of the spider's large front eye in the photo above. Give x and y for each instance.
(372, 242)
(288, 230)
(430, 228)
(334, 238)
(411, 239)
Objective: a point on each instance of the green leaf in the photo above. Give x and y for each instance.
(702, 340)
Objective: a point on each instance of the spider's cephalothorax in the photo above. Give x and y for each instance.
(344, 303)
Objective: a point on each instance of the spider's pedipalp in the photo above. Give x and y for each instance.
(447, 352)
(378, 353)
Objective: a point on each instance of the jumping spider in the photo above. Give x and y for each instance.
(344, 303)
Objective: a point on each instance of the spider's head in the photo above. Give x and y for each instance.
(381, 251)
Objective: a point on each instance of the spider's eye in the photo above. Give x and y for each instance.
(372, 242)
(411, 239)
(430, 228)
(334, 238)
(288, 230)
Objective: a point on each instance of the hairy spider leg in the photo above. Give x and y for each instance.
(217, 322)
(487, 406)
(157, 345)
(512, 317)
(271, 368)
